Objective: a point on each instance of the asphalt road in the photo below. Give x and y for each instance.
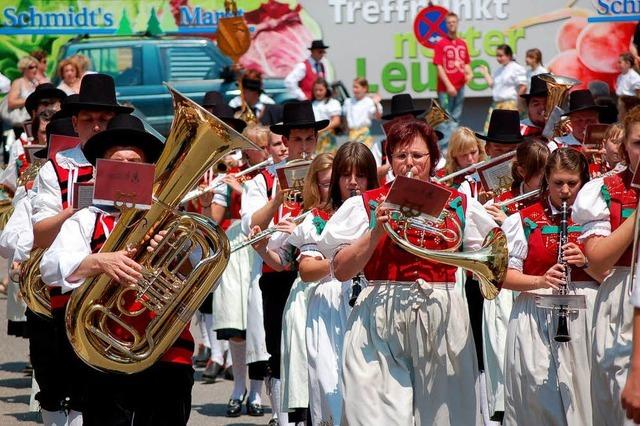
(208, 406)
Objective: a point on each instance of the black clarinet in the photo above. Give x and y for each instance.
(562, 333)
(356, 288)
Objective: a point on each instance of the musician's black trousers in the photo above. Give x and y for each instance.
(275, 287)
(158, 396)
(46, 364)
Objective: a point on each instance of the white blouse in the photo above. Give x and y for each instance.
(360, 113)
(591, 211)
(506, 79)
(627, 84)
(351, 221)
(16, 239)
(326, 109)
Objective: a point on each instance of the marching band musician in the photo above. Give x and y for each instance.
(262, 203)
(536, 101)
(583, 111)
(465, 150)
(605, 207)
(613, 137)
(52, 205)
(409, 333)
(161, 394)
(527, 171)
(544, 379)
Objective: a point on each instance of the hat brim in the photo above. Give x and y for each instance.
(505, 141)
(541, 94)
(32, 100)
(237, 124)
(318, 47)
(392, 115)
(585, 108)
(281, 129)
(74, 107)
(97, 145)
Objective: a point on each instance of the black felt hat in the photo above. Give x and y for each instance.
(504, 127)
(97, 91)
(212, 98)
(225, 113)
(123, 130)
(298, 115)
(538, 88)
(252, 84)
(318, 44)
(402, 105)
(43, 91)
(582, 100)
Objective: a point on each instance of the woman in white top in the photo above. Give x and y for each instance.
(545, 380)
(23, 86)
(69, 73)
(628, 81)
(326, 108)
(360, 111)
(606, 209)
(508, 81)
(533, 59)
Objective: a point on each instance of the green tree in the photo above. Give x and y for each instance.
(153, 25)
(124, 28)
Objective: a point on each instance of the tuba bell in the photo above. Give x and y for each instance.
(489, 263)
(33, 290)
(436, 115)
(127, 328)
(558, 87)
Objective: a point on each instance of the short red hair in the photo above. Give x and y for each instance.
(406, 131)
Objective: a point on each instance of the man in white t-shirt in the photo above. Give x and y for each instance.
(628, 81)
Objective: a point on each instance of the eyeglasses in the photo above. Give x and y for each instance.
(32, 67)
(416, 155)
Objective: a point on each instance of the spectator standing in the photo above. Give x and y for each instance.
(300, 80)
(326, 108)
(360, 111)
(451, 57)
(533, 59)
(508, 81)
(41, 56)
(69, 73)
(628, 81)
(252, 93)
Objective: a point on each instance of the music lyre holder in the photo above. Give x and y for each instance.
(564, 304)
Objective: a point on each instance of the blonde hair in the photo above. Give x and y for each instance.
(83, 62)
(614, 133)
(66, 62)
(25, 61)
(257, 133)
(311, 193)
(462, 140)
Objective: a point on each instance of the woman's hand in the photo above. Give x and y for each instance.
(483, 70)
(496, 213)
(572, 254)
(119, 266)
(553, 278)
(286, 226)
(232, 181)
(383, 215)
(259, 246)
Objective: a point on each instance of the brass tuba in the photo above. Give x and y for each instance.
(558, 87)
(127, 328)
(489, 263)
(33, 290)
(436, 115)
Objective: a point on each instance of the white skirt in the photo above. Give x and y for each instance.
(611, 351)
(409, 358)
(547, 382)
(231, 294)
(294, 372)
(495, 319)
(327, 316)
(256, 341)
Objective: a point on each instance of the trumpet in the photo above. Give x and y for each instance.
(218, 181)
(266, 233)
(471, 168)
(505, 203)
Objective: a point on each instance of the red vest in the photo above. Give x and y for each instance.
(85, 174)
(542, 232)
(390, 262)
(514, 207)
(622, 200)
(310, 77)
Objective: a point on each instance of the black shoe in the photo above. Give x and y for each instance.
(255, 409)
(234, 407)
(211, 372)
(273, 422)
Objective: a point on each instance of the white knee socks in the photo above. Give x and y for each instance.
(238, 355)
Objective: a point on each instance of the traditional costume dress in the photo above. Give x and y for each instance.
(545, 381)
(409, 355)
(326, 109)
(360, 114)
(601, 207)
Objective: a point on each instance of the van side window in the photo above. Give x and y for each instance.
(189, 63)
(124, 64)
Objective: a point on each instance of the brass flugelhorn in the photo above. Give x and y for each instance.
(127, 328)
(489, 263)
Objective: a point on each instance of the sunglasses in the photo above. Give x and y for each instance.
(32, 67)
